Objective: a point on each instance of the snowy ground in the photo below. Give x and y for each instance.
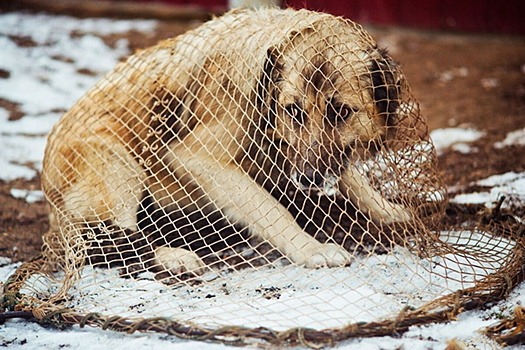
(48, 74)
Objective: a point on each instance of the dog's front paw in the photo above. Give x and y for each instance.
(392, 213)
(178, 261)
(323, 255)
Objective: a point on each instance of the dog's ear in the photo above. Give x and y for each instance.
(266, 92)
(273, 66)
(385, 85)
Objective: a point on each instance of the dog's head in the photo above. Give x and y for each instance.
(327, 97)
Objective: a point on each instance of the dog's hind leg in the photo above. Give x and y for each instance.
(101, 182)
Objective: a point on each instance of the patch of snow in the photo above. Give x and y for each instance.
(3, 261)
(24, 158)
(489, 83)
(457, 138)
(19, 334)
(30, 196)
(516, 137)
(464, 148)
(474, 198)
(449, 75)
(510, 185)
(45, 79)
(372, 288)
(281, 297)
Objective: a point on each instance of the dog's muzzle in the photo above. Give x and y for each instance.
(315, 181)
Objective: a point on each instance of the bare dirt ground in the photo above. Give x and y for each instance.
(459, 79)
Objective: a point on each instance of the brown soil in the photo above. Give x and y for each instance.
(460, 80)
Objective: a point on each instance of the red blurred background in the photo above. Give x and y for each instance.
(482, 16)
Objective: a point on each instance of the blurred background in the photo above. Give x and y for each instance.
(479, 16)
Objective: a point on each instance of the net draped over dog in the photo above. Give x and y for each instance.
(267, 176)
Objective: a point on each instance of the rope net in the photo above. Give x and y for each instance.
(266, 177)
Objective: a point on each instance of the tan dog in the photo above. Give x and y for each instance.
(212, 120)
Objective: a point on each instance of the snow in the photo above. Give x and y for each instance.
(283, 297)
(44, 80)
(516, 137)
(456, 138)
(45, 77)
(29, 196)
(33, 336)
(511, 185)
(280, 297)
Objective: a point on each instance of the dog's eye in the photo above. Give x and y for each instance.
(295, 112)
(338, 113)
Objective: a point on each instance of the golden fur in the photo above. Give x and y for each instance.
(209, 121)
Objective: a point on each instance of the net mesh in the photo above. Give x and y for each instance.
(265, 177)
